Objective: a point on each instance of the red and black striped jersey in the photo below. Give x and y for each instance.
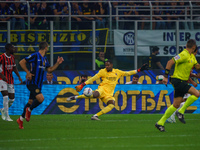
(7, 63)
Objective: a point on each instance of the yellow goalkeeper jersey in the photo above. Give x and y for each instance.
(184, 63)
(109, 79)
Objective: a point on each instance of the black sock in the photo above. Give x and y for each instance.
(24, 112)
(34, 104)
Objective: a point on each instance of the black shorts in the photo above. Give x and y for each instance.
(180, 87)
(34, 90)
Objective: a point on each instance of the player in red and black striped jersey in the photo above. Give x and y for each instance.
(7, 66)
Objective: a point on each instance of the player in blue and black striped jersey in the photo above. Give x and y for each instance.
(38, 63)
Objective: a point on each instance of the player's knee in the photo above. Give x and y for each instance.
(96, 94)
(197, 95)
(111, 102)
(30, 101)
(176, 105)
(41, 100)
(4, 93)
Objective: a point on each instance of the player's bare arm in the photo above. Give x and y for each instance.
(193, 75)
(23, 65)
(169, 65)
(192, 82)
(3, 77)
(159, 65)
(59, 61)
(17, 73)
(197, 66)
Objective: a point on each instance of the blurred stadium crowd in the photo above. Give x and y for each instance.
(81, 13)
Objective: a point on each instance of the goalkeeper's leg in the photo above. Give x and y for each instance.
(108, 108)
(71, 98)
(94, 95)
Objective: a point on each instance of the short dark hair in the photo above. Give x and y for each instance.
(49, 73)
(110, 61)
(83, 80)
(42, 45)
(191, 43)
(155, 48)
(101, 51)
(84, 75)
(8, 46)
(136, 75)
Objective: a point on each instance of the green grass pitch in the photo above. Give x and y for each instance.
(113, 132)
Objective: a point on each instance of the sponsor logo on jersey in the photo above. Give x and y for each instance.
(37, 91)
(177, 57)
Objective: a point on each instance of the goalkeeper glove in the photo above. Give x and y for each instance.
(80, 87)
(144, 67)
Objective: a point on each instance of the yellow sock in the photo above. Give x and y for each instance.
(167, 114)
(106, 110)
(83, 96)
(188, 102)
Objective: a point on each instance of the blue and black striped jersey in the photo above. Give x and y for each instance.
(38, 65)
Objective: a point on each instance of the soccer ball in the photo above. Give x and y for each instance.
(87, 92)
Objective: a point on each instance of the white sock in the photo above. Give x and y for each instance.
(95, 115)
(173, 115)
(181, 105)
(10, 102)
(5, 105)
(21, 118)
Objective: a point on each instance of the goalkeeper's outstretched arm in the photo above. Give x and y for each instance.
(144, 67)
(91, 80)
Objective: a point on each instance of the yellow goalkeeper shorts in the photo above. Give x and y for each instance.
(105, 97)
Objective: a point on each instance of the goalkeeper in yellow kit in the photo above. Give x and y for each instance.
(106, 88)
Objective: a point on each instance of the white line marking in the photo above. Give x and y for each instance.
(87, 138)
(109, 146)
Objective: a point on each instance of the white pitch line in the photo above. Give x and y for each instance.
(88, 138)
(111, 146)
(149, 145)
(138, 120)
(122, 120)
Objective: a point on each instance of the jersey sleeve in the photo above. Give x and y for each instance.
(180, 58)
(0, 59)
(126, 73)
(31, 58)
(1, 70)
(47, 65)
(13, 59)
(95, 77)
(156, 59)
